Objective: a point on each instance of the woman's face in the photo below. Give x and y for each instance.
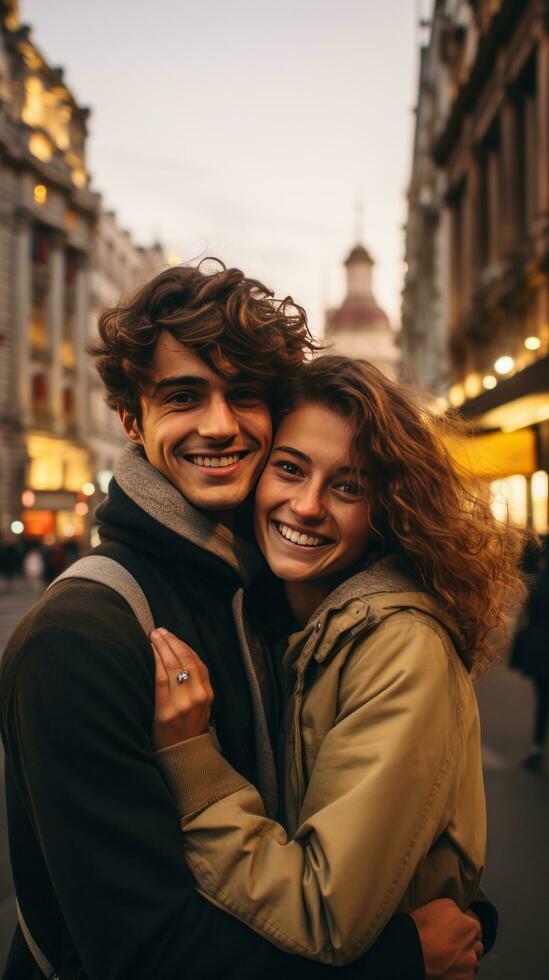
(312, 520)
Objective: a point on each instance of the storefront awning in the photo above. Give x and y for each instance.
(496, 455)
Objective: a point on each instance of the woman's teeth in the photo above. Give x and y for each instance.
(297, 537)
(214, 461)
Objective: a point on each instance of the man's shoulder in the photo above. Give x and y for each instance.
(72, 617)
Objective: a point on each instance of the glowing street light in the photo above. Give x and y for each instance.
(504, 365)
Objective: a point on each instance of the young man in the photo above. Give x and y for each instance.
(191, 364)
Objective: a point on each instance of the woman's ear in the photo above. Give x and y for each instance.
(130, 425)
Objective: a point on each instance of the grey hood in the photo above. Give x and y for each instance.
(158, 498)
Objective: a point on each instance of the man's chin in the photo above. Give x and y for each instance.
(218, 501)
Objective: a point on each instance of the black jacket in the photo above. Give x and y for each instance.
(94, 834)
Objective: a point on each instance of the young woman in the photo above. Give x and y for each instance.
(395, 573)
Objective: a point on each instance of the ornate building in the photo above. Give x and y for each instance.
(477, 284)
(118, 268)
(46, 233)
(62, 259)
(359, 327)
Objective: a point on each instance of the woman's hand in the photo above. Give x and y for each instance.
(183, 693)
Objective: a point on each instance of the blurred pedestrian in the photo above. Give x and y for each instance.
(10, 562)
(34, 568)
(530, 655)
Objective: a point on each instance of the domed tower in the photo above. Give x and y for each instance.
(359, 327)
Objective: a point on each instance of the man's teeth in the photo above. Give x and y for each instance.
(296, 537)
(215, 461)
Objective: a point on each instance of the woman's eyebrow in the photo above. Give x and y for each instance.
(349, 471)
(293, 452)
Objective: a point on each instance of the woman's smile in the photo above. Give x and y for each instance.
(312, 517)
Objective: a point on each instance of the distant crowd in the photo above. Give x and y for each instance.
(34, 561)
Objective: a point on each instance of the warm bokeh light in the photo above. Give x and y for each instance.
(104, 477)
(28, 498)
(532, 343)
(81, 508)
(17, 527)
(88, 489)
(40, 193)
(456, 396)
(540, 495)
(504, 365)
(489, 381)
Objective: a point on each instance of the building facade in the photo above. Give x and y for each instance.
(47, 224)
(62, 260)
(118, 268)
(359, 327)
(478, 277)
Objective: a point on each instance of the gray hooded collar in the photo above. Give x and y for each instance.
(155, 495)
(384, 575)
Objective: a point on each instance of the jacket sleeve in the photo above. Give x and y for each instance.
(380, 793)
(77, 732)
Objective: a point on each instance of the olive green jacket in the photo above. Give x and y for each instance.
(383, 797)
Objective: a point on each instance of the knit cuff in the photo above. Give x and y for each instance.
(197, 774)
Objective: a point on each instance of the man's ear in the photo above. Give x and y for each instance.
(130, 425)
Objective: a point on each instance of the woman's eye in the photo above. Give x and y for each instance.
(351, 489)
(287, 467)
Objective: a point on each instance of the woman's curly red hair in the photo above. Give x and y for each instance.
(425, 508)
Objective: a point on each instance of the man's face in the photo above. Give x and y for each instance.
(209, 434)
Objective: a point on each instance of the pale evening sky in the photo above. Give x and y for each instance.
(247, 129)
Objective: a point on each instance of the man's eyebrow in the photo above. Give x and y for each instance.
(189, 380)
(197, 381)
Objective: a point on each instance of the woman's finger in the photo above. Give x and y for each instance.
(161, 675)
(182, 650)
(172, 664)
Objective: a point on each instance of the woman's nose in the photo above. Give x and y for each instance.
(308, 504)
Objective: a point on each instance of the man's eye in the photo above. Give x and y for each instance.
(181, 398)
(287, 467)
(247, 395)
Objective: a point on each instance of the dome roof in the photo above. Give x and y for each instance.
(356, 314)
(359, 254)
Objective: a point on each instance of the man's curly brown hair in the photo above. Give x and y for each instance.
(220, 315)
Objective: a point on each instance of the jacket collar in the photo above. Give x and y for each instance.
(158, 498)
(358, 605)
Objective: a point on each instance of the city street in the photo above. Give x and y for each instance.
(518, 809)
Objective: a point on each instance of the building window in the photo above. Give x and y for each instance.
(39, 397)
(40, 254)
(68, 406)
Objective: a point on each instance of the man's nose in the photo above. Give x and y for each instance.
(218, 421)
(307, 503)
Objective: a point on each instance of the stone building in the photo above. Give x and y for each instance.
(359, 327)
(62, 260)
(47, 218)
(118, 268)
(478, 236)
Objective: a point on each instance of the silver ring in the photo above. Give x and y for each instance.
(183, 675)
